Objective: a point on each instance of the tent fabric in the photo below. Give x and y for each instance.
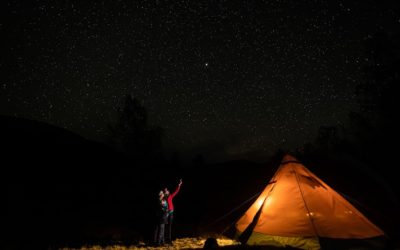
(309, 243)
(297, 204)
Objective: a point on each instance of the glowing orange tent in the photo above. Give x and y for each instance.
(297, 209)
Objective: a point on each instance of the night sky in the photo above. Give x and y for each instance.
(227, 79)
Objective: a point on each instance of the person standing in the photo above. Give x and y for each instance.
(169, 198)
(162, 219)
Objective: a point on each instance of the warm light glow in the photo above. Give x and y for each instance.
(310, 214)
(259, 202)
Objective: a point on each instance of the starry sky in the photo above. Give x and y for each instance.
(228, 79)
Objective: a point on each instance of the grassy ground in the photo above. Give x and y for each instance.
(183, 243)
(189, 244)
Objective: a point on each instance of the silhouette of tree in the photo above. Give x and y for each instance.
(133, 135)
(372, 128)
(377, 97)
(376, 126)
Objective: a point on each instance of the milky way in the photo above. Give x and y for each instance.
(221, 78)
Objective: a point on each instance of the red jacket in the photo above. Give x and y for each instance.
(170, 197)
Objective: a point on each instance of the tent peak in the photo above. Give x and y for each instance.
(289, 158)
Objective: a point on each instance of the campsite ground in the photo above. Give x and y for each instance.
(188, 244)
(182, 243)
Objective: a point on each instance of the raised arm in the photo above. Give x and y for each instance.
(177, 189)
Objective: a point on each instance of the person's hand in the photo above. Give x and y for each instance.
(180, 182)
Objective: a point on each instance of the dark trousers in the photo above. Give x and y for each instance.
(159, 234)
(168, 229)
